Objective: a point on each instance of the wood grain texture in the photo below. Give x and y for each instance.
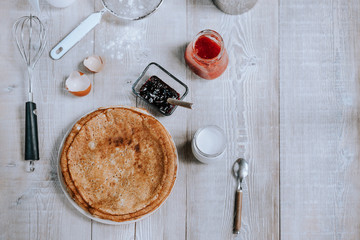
(36, 206)
(288, 102)
(237, 214)
(319, 87)
(244, 102)
(166, 48)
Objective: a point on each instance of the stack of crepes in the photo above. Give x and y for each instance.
(119, 163)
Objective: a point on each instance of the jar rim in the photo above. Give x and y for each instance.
(213, 35)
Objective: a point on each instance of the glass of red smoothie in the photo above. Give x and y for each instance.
(206, 55)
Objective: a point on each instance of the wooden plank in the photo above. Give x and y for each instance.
(320, 191)
(244, 102)
(165, 37)
(119, 43)
(34, 205)
(319, 121)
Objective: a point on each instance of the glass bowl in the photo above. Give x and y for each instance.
(154, 69)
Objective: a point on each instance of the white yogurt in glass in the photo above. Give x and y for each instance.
(208, 144)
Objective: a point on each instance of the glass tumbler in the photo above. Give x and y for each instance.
(206, 55)
(208, 144)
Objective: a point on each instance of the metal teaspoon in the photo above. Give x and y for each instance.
(240, 171)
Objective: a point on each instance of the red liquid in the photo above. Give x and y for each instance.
(207, 57)
(207, 48)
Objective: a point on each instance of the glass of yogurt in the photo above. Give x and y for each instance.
(208, 144)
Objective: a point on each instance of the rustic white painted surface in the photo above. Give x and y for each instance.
(319, 116)
(289, 103)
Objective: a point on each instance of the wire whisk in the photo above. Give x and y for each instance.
(30, 36)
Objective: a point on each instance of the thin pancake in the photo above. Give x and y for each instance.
(63, 160)
(119, 164)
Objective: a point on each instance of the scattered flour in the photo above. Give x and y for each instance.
(122, 41)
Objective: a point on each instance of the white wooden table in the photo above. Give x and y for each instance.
(288, 102)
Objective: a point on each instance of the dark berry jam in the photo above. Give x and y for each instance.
(156, 92)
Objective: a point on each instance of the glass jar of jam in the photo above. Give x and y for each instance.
(206, 55)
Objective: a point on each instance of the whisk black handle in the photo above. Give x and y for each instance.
(31, 133)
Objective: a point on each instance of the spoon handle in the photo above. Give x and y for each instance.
(238, 207)
(76, 35)
(180, 103)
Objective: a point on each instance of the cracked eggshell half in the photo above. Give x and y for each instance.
(78, 84)
(94, 63)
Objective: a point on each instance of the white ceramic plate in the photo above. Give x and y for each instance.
(87, 214)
